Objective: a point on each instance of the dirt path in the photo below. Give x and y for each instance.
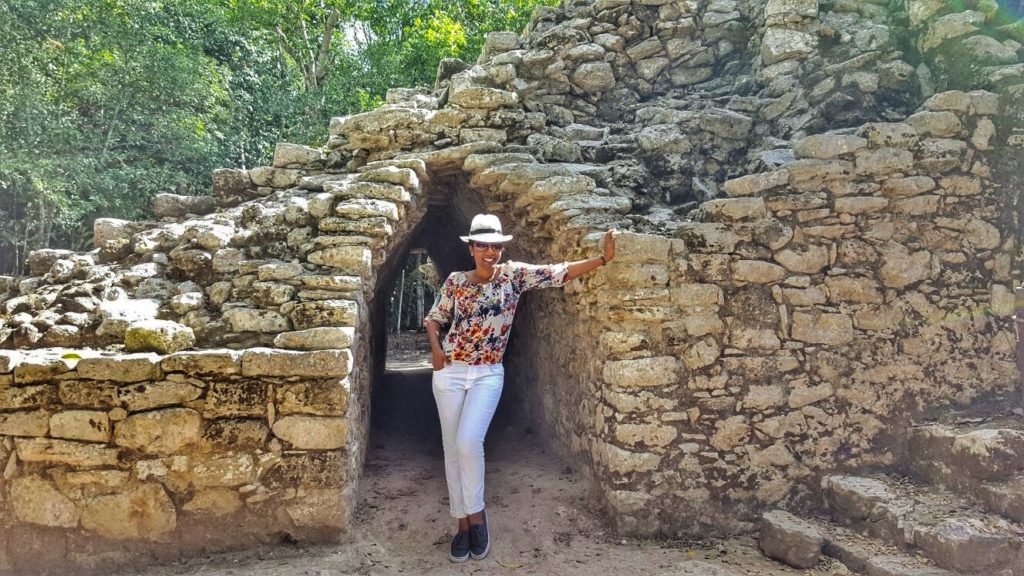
(540, 519)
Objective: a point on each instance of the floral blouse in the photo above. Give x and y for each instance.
(481, 314)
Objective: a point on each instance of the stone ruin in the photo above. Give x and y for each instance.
(820, 211)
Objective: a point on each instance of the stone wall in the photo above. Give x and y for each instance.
(115, 458)
(785, 300)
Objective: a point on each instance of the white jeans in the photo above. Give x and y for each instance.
(466, 398)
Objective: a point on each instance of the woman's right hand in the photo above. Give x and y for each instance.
(438, 359)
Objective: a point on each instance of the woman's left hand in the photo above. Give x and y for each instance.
(609, 245)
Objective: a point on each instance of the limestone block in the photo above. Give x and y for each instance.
(464, 92)
(889, 134)
(40, 261)
(312, 432)
(268, 294)
(33, 368)
(122, 368)
(324, 338)
(636, 275)
(940, 154)
(966, 545)
(860, 204)
(725, 123)
(143, 513)
(632, 247)
(786, 538)
(86, 425)
(704, 353)
(780, 44)
(621, 461)
(484, 134)
(337, 313)
(884, 161)
(223, 470)
(272, 362)
(822, 328)
(106, 230)
(826, 146)
(650, 68)
(754, 183)
(235, 434)
(25, 423)
(623, 342)
(37, 501)
(698, 295)
(643, 372)
(878, 318)
(909, 186)
(254, 320)
(159, 432)
(156, 394)
(664, 138)
(941, 124)
(746, 338)
(985, 102)
(230, 181)
(653, 435)
(88, 393)
(87, 484)
(902, 267)
(709, 237)
(800, 396)
(730, 433)
(594, 77)
(352, 260)
(65, 452)
(983, 133)
(28, 396)
(185, 303)
(960, 185)
(951, 26)
(777, 455)
(644, 49)
(805, 259)
(214, 502)
(220, 362)
(757, 272)
(319, 508)
(1002, 302)
(853, 289)
(367, 207)
(324, 397)
(279, 271)
(733, 209)
(163, 336)
(274, 177)
(809, 174)
(244, 398)
(177, 205)
(981, 235)
(9, 360)
(286, 154)
(804, 8)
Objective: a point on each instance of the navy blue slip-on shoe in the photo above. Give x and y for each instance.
(479, 540)
(460, 547)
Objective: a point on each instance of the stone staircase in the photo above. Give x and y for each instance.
(957, 509)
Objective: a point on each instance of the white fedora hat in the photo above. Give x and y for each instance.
(485, 228)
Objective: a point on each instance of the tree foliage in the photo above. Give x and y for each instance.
(105, 103)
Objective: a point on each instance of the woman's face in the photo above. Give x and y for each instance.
(485, 255)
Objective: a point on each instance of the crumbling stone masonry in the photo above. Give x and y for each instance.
(819, 205)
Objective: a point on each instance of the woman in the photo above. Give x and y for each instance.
(468, 374)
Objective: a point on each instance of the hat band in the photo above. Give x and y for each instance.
(485, 231)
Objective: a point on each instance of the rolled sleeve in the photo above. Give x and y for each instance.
(533, 276)
(444, 302)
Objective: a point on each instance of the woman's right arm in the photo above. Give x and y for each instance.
(438, 359)
(440, 313)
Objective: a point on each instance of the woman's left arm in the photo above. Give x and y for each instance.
(581, 267)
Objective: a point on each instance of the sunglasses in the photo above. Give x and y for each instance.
(486, 245)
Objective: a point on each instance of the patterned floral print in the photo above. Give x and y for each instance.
(481, 314)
